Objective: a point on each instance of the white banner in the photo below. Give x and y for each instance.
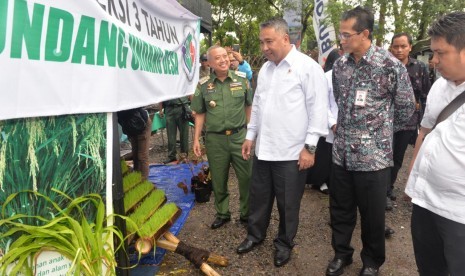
(324, 31)
(87, 56)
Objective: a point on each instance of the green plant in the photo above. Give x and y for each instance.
(130, 180)
(89, 244)
(136, 194)
(63, 152)
(124, 167)
(147, 208)
(159, 219)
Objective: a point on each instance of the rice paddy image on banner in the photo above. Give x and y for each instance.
(67, 153)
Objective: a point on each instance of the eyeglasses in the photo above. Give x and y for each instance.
(346, 36)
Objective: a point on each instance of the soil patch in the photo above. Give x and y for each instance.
(313, 249)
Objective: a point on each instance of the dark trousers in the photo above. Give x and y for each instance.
(367, 191)
(438, 243)
(320, 172)
(283, 180)
(401, 141)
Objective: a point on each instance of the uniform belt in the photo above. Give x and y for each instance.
(228, 131)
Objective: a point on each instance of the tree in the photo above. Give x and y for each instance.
(237, 21)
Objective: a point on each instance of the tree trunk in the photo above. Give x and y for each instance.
(423, 20)
(382, 23)
(399, 15)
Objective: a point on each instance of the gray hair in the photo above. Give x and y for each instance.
(279, 24)
(216, 46)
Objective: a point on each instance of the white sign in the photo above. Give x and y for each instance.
(51, 263)
(88, 56)
(324, 31)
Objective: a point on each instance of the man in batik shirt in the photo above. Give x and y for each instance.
(401, 45)
(373, 93)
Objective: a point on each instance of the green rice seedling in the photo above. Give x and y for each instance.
(63, 152)
(124, 168)
(146, 209)
(136, 194)
(87, 243)
(162, 219)
(130, 180)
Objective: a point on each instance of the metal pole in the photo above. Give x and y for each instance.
(118, 201)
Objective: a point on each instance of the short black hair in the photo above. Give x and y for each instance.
(331, 59)
(451, 28)
(409, 37)
(203, 57)
(364, 19)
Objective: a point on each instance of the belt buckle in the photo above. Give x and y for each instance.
(228, 132)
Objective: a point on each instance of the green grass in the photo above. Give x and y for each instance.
(124, 168)
(130, 180)
(159, 219)
(136, 194)
(150, 204)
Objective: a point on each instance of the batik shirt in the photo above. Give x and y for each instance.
(373, 96)
(419, 78)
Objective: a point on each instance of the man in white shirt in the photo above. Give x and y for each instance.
(437, 181)
(289, 114)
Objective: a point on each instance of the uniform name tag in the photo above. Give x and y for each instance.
(360, 97)
(235, 86)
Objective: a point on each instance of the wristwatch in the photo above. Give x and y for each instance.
(310, 149)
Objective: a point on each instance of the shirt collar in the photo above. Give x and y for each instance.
(367, 56)
(410, 62)
(291, 56)
(230, 75)
(453, 86)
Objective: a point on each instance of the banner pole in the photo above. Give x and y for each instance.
(118, 200)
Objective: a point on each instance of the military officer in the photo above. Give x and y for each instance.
(223, 102)
(173, 110)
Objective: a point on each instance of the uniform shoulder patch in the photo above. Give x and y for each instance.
(204, 80)
(240, 74)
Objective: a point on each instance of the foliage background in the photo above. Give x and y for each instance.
(64, 152)
(237, 21)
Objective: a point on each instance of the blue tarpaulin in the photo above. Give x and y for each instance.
(166, 178)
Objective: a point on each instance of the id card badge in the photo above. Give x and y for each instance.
(360, 98)
(366, 139)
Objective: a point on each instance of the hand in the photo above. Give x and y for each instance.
(161, 113)
(246, 148)
(306, 160)
(196, 148)
(334, 128)
(237, 56)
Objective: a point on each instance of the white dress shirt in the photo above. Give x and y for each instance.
(437, 181)
(290, 107)
(333, 109)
